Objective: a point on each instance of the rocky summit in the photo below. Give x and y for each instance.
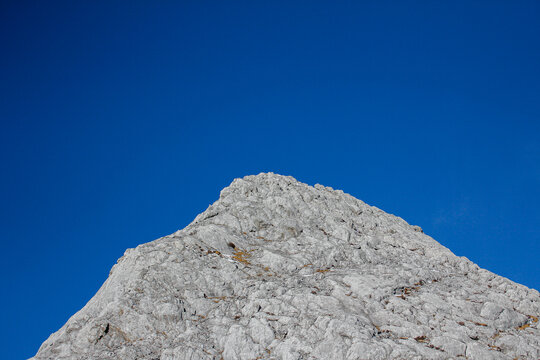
(277, 269)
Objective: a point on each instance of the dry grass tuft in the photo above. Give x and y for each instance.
(242, 256)
(421, 339)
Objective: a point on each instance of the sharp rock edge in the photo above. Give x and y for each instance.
(277, 269)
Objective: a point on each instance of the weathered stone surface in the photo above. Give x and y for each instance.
(276, 269)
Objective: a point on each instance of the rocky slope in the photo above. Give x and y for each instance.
(276, 269)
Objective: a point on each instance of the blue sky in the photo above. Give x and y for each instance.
(121, 121)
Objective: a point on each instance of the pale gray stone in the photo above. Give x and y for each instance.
(491, 311)
(451, 346)
(276, 269)
(481, 352)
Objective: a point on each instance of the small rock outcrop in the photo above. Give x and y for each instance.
(277, 269)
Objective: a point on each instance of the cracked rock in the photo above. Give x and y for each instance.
(277, 269)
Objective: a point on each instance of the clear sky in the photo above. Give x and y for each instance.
(121, 121)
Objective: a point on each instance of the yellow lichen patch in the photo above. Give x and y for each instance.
(242, 256)
(322, 270)
(213, 252)
(533, 318)
(480, 324)
(523, 327)
(307, 265)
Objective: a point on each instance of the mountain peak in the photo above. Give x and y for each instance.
(279, 269)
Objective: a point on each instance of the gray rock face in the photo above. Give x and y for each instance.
(276, 269)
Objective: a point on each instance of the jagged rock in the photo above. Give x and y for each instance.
(276, 269)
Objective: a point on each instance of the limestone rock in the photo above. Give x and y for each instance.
(276, 269)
